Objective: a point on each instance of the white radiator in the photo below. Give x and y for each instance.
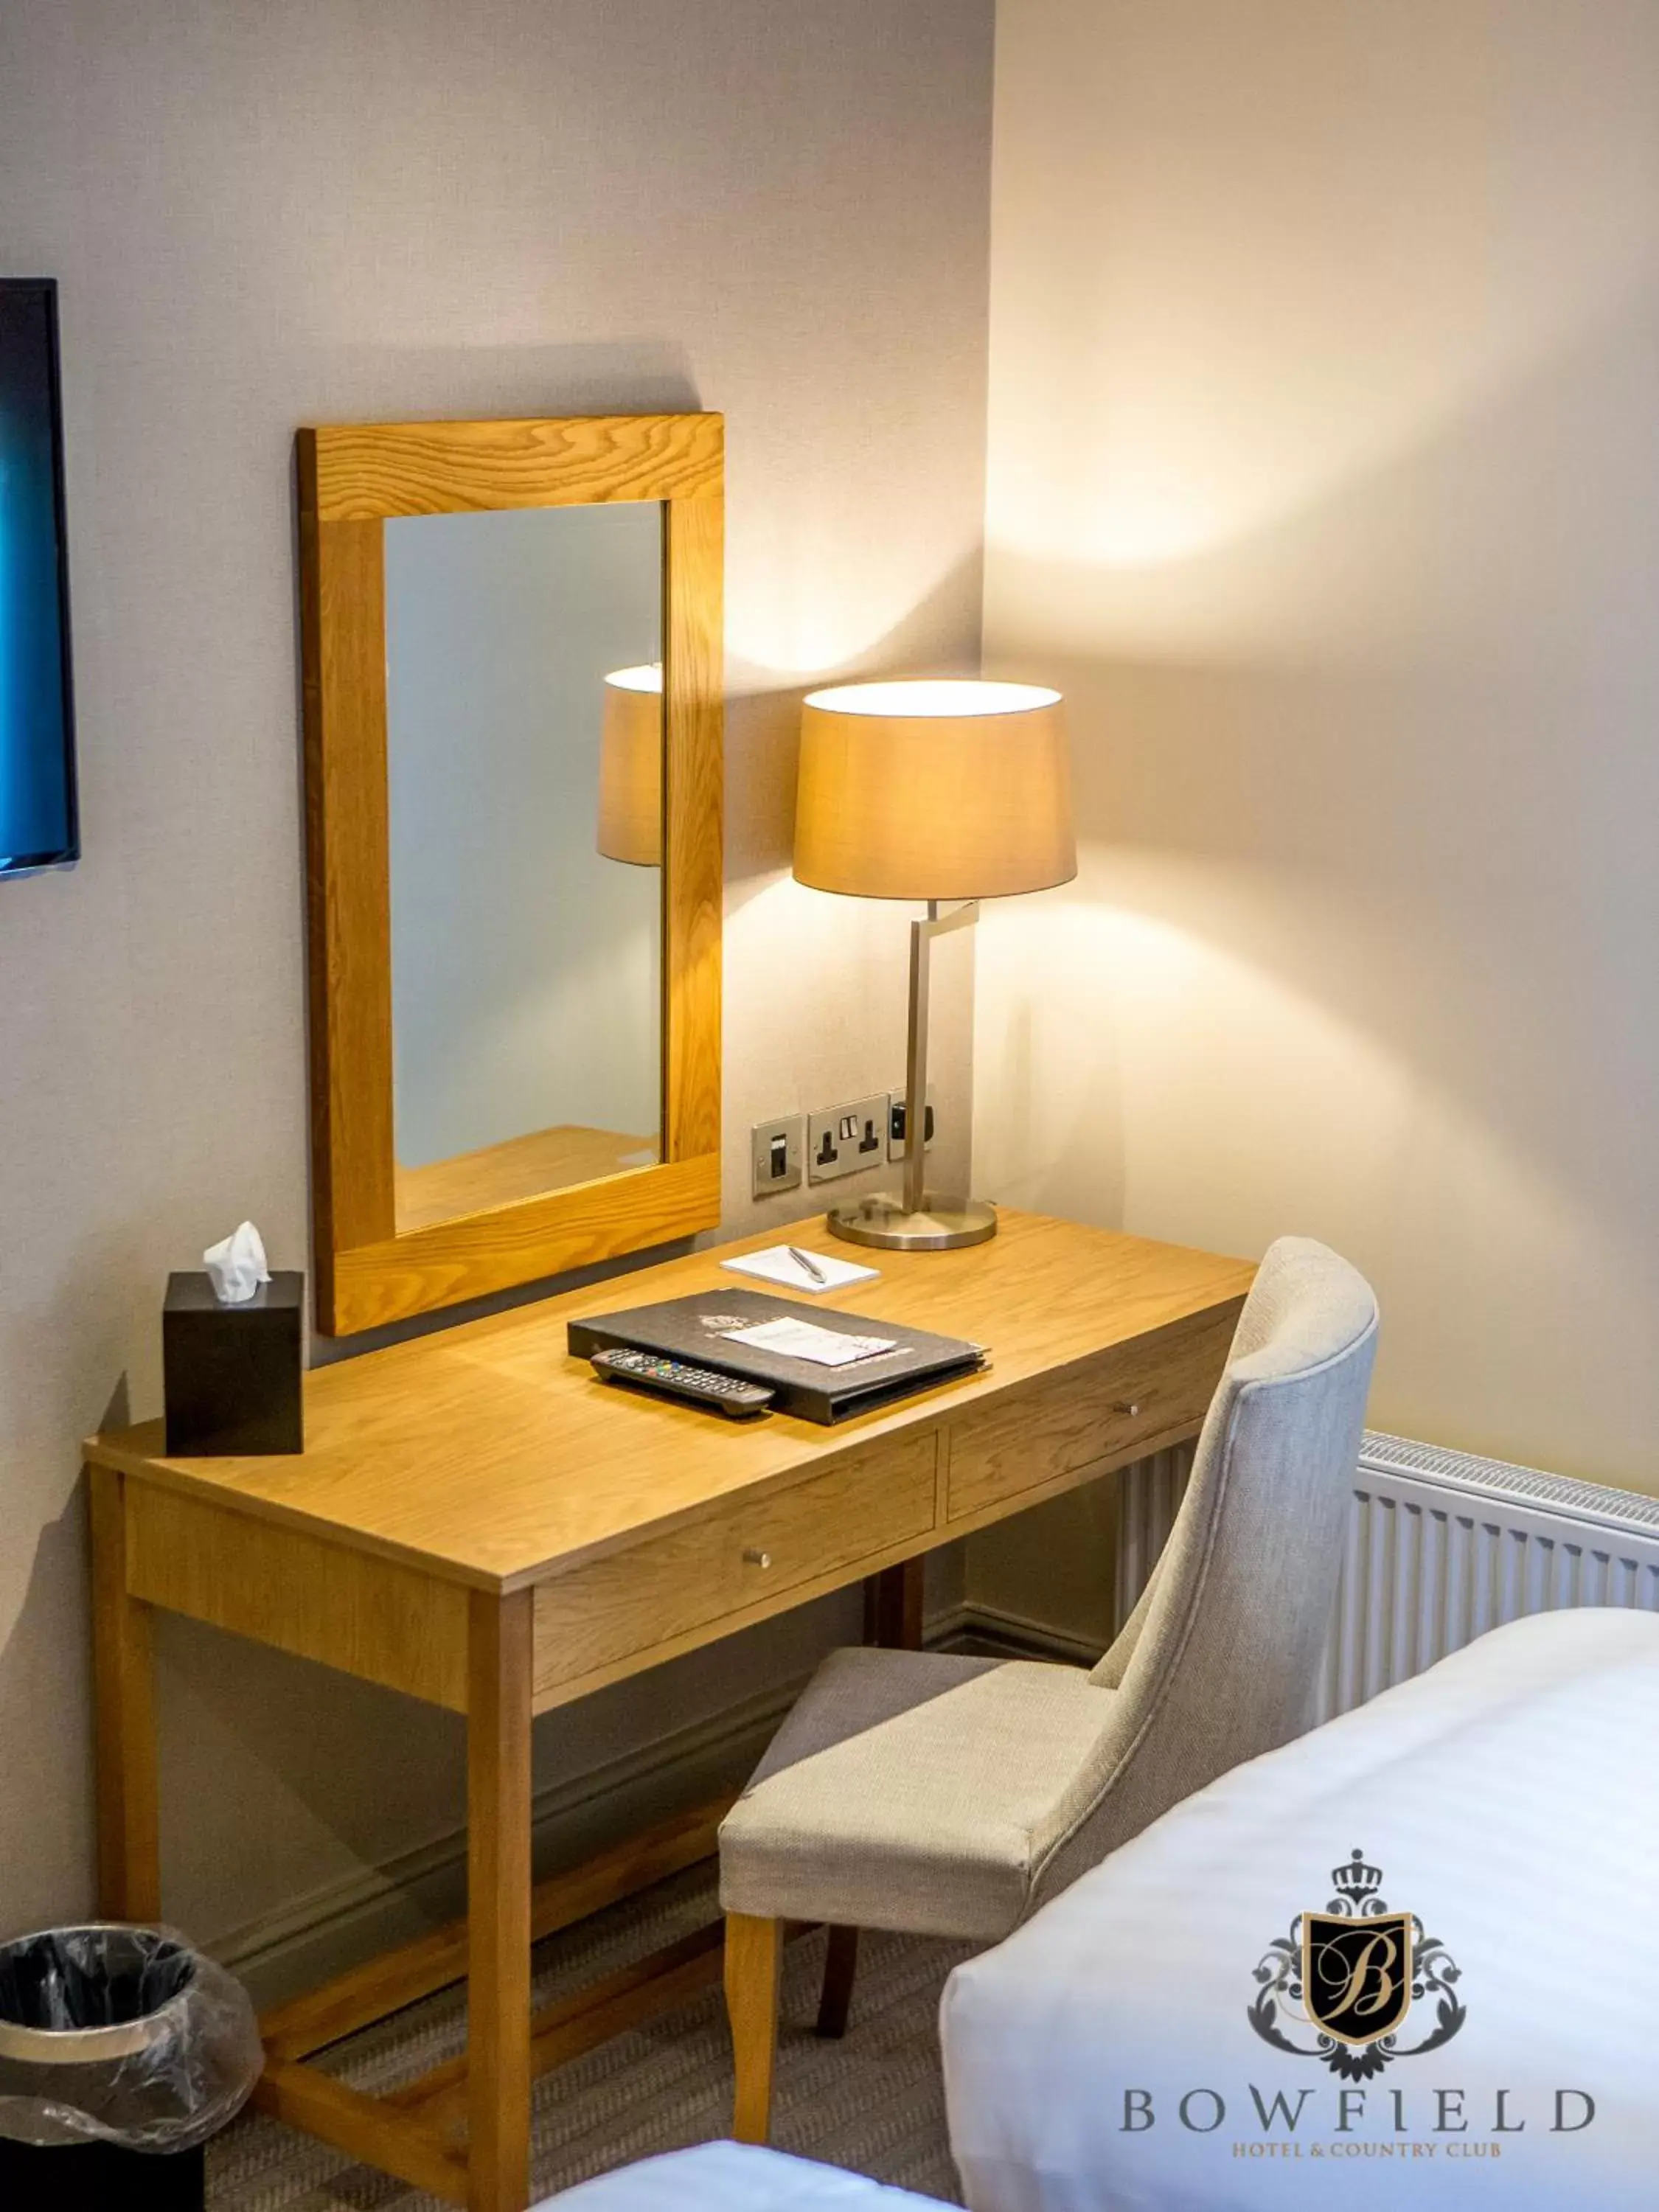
(1149, 1494)
(1441, 1546)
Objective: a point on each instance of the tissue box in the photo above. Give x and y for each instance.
(232, 1373)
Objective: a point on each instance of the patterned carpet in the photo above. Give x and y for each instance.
(872, 2102)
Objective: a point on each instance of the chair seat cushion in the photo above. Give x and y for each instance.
(910, 1790)
(728, 2177)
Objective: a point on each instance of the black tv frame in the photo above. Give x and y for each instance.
(30, 863)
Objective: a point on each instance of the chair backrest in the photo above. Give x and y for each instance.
(1219, 1660)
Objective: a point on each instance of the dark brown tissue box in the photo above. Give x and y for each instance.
(232, 1373)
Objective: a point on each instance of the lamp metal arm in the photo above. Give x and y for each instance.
(922, 937)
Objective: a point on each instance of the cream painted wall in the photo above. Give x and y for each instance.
(1324, 476)
(308, 211)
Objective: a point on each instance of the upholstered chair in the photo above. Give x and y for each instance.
(952, 1797)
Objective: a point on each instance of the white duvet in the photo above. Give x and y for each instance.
(1105, 2056)
(731, 2177)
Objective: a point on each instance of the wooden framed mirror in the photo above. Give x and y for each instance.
(512, 651)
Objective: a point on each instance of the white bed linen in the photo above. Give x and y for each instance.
(729, 2177)
(1510, 1797)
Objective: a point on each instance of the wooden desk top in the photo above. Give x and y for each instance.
(487, 1456)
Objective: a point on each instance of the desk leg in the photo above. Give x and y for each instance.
(498, 1903)
(893, 1606)
(129, 1831)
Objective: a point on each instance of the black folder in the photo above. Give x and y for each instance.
(692, 1329)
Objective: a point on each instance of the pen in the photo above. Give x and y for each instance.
(806, 1263)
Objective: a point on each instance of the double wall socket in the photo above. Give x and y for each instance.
(847, 1137)
(861, 1134)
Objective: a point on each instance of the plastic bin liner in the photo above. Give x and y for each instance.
(122, 2035)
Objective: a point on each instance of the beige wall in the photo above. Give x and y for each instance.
(1324, 476)
(265, 215)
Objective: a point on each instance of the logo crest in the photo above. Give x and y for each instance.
(1353, 1973)
(1357, 1974)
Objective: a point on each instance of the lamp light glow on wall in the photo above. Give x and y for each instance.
(630, 768)
(941, 791)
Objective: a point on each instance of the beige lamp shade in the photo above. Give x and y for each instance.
(630, 768)
(934, 790)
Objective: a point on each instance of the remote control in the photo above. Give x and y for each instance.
(677, 1378)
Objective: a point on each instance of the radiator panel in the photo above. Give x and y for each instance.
(1440, 1547)
(1148, 1497)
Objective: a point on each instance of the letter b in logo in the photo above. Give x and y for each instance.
(1357, 1974)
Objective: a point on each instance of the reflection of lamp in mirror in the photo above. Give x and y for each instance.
(630, 768)
(942, 792)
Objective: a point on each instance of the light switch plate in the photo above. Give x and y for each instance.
(775, 1154)
(847, 1137)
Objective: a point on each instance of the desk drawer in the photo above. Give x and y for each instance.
(662, 1591)
(1128, 1401)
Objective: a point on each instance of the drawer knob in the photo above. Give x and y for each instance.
(755, 1558)
(1130, 1406)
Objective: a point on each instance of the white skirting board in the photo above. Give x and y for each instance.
(1442, 1545)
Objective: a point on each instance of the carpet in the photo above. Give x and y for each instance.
(872, 2102)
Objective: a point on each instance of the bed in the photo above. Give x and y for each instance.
(1151, 2041)
(729, 2177)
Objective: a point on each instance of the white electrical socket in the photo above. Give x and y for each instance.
(896, 1122)
(775, 1154)
(846, 1139)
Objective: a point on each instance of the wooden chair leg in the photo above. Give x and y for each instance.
(840, 1963)
(754, 1962)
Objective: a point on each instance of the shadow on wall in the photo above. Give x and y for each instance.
(47, 1847)
(1363, 940)
(46, 1826)
(762, 721)
(326, 1875)
(622, 376)
(281, 1735)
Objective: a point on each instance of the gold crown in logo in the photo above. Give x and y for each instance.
(1357, 1882)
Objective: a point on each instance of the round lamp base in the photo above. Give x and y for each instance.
(945, 1225)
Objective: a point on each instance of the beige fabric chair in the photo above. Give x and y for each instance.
(953, 1797)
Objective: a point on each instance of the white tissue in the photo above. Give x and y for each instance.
(237, 1265)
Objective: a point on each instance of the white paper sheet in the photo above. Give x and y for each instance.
(775, 1265)
(803, 1340)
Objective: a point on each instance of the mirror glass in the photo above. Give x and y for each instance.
(524, 745)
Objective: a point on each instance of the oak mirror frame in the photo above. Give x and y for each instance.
(353, 479)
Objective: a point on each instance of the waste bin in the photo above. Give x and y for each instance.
(122, 2049)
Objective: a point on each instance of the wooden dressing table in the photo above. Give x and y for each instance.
(477, 1521)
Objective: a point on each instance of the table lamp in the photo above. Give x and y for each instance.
(943, 792)
(630, 768)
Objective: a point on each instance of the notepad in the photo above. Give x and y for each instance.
(774, 1265)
